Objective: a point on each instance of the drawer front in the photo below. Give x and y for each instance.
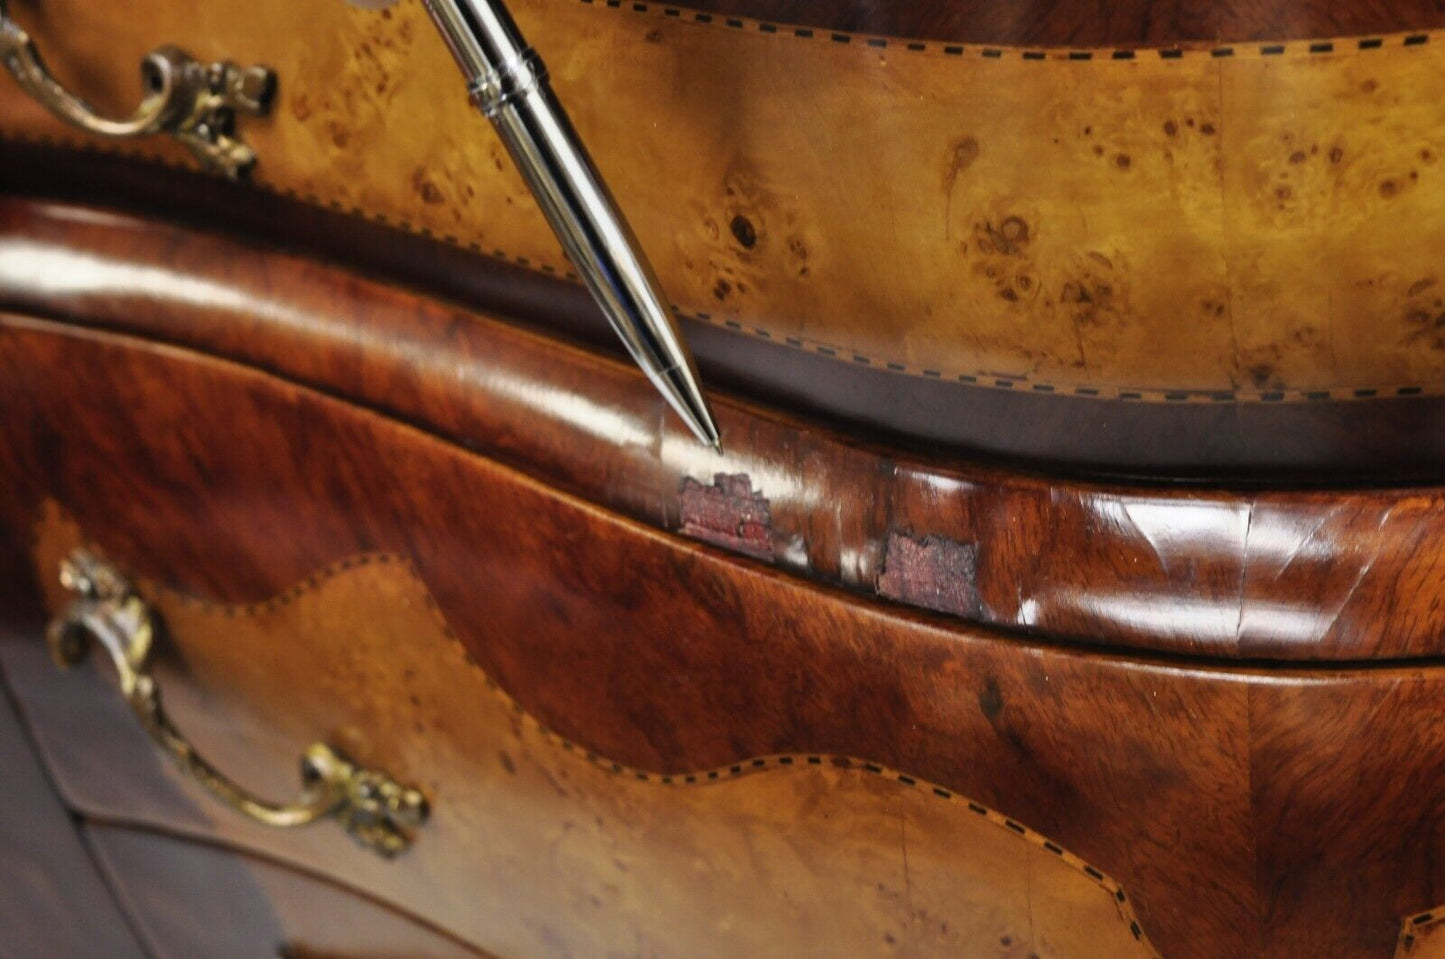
(536, 845)
(636, 745)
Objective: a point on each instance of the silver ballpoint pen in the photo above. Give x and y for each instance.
(508, 83)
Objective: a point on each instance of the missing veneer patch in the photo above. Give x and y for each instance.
(933, 572)
(729, 513)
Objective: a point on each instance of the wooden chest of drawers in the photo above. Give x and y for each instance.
(803, 698)
(1066, 584)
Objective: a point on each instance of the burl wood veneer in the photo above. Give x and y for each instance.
(1245, 812)
(537, 847)
(815, 693)
(1206, 256)
(1242, 225)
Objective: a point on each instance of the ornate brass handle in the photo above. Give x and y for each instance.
(193, 101)
(377, 811)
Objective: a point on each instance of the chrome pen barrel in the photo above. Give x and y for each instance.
(508, 83)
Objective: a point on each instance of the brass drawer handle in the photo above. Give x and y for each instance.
(194, 102)
(377, 811)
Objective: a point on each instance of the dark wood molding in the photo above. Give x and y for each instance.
(1380, 439)
(1228, 801)
(1347, 575)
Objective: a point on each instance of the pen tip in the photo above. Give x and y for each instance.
(683, 394)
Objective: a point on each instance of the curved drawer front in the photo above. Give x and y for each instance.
(1156, 235)
(627, 739)
(539, 846)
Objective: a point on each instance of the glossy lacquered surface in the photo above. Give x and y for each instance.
(538, 846)
(1307, 575)
(1384, 439)
(1227, 803)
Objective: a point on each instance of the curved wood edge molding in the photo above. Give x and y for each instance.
(1230, 801)
(1340, 575)
(924, 377)
(829, 854)
(1351, 436)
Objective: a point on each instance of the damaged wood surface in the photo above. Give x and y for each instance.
(933, 572)
(729, 513)
(1304, 575)
(1249, 813)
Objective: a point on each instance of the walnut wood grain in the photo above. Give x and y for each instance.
(1333, 575)
(1251, 229)
(1248, 813)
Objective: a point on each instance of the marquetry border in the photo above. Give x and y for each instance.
(1016, 382)
(755, 765)
(1031, 54)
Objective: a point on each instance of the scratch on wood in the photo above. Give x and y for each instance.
(728, 513)
(933, 572)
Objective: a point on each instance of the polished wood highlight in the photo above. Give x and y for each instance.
(1310, 575)
(861, 684)
(1228, 803)
(537, 849)
(1385, 439)
(1252, 228)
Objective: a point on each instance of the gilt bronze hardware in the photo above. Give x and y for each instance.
(193, 101)
(378, 812)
